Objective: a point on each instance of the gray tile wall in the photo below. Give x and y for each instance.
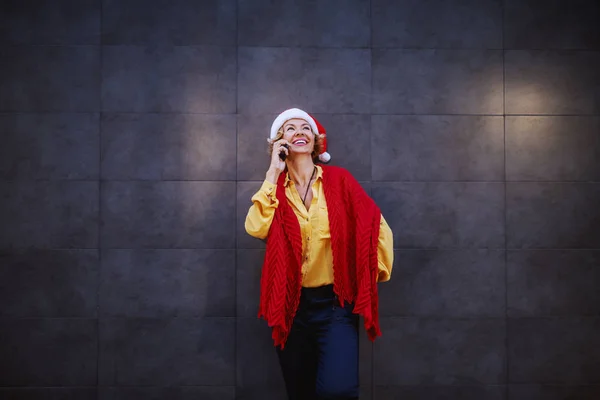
(133, 135)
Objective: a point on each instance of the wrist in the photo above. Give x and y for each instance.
(272, 175)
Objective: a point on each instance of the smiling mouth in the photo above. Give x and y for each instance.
(300, 142)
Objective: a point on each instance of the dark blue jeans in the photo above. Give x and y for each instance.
(320, 358)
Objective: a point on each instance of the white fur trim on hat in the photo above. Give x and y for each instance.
(325, 157)
(291, 114)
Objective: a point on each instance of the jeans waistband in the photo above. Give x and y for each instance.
(314, 293)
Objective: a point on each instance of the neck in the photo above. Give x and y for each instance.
(301, 169)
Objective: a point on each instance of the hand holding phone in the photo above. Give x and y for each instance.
(282, 154)
(279, 154)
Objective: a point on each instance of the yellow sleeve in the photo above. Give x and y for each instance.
(385, 251)
(260, 215)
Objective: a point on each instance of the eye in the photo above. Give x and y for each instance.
(289, 127)
(307, 128)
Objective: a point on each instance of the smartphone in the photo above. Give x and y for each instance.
(282, 155)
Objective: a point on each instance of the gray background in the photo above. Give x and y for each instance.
(133, 135)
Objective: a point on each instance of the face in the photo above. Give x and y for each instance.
(298, 133)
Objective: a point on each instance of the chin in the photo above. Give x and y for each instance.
(302, 151)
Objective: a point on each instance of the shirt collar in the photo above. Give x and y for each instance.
(319, 176)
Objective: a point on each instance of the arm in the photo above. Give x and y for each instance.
(264, 202)
(261, 213)
(385, 251)
(385, 245)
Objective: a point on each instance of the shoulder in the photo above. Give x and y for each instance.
(335, 171)
(340, 176)
(343, 180)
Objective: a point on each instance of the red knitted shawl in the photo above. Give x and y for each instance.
(354, 220)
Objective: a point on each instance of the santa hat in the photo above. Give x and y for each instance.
(316, 127)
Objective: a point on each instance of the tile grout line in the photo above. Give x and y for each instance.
(372, 344)
(257, 181)
(440, 249)
(530, 317)
(506, 343)
(235, 254)
(268, 113)
(315, 47)
(99, 222)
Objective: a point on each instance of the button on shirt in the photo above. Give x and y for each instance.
(317, 262)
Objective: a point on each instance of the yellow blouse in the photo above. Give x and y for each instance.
(317, 265)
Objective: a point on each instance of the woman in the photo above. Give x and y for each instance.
(327, 247)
